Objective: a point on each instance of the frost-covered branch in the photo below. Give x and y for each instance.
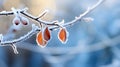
(44, 27)
(23, 11)
(11, 12)
(34, 30)
(79, 18)
(12, 43)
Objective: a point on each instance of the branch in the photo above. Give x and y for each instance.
(81, 15)
(35, 29)
(23, 11)
(12, 43)
(43, 14)
(11, 12)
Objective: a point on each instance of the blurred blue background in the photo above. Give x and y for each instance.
(90, 44)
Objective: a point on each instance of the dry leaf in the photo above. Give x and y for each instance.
(46, 34)
(63, 35)
(40, 41)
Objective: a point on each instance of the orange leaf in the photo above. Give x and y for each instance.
(46, 34)
(62, 35)
(40, 41)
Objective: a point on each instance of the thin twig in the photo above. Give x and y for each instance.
(11, 12)
(42, 14)
(23, 38)
(81, 15)
(14, 48)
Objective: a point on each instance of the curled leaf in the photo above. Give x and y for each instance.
(46, 34)
(40, 41)
(63, 35)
